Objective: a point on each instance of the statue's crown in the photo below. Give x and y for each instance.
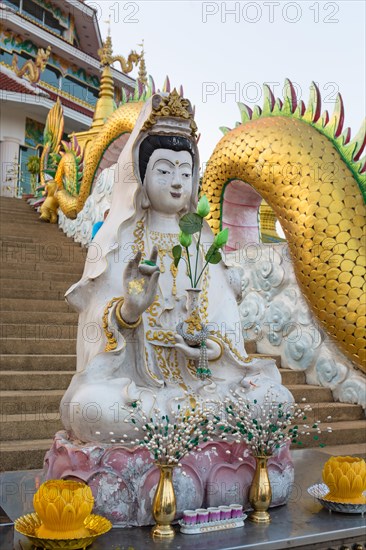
(171, 112)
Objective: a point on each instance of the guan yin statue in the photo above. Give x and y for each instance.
(130, 299)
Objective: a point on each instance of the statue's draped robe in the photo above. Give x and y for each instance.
(145, 364)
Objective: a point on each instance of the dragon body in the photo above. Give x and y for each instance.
(311, 174)
(307, 169)
(72, 197)
(127, 66)
(52, 136)
(32, 70)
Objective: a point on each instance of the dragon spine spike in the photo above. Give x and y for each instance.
(152, 85)
(346, 136)
(289, 95)
(257, 111)
(245, 112)
(336, 121)
(360, 141)
(66, 145)
(300, 109)
(268, 99)
(324, 119)
(225, 130)
(181, 91)
(278, 105)
(314, 106)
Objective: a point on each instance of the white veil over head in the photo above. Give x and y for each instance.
(174, 118)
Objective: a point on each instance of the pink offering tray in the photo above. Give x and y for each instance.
(195, 522)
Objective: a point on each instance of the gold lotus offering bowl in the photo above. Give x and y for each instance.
(345, 477)
(63, 506)
(30, 524)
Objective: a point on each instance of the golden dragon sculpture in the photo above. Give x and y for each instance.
(107, 58)
(32, 69)
(311, 174)
(52, 136)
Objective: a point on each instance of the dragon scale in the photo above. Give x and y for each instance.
(316, 194)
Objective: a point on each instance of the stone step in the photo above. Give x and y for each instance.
(15, 304)
(51, 346)
(34, 318)
(60, 256)
(336, 411)
(35, 294)
(48, 363)
(312, 394)
(32, 401)
(23, 284)
(35, 380)
(290, 376)
(75, 268)
(343, 433)
(23, 455)
(30, 453)
(28, 426)
(39, 276)
(48, 245)
(38, 332)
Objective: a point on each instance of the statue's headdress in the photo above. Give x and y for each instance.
(171, 113)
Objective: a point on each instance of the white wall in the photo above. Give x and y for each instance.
(12, 134)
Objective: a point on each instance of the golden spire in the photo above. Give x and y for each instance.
(142, 76)
(105, 104)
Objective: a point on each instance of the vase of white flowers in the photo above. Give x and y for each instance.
(265, 427)
(169, 438)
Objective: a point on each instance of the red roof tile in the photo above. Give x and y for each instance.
(7, 83)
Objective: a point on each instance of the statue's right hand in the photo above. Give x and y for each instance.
(140, 283)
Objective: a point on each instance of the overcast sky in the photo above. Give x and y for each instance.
(222, 52)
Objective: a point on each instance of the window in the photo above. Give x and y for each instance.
(51, 76)
(52, 23)
(34, 11)
(6, 57)
(12, 3)
(79, 90)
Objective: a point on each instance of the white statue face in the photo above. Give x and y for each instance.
(168, 180)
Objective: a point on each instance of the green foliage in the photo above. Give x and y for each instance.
(177, 254)
(190, 223)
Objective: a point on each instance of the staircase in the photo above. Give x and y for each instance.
(38, 343)
(38, 331)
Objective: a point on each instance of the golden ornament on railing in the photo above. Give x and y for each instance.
(345, 477)
(63, 506)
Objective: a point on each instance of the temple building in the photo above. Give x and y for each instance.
(48, 50)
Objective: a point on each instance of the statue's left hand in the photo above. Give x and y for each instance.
(213, 349)
(140, 282)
